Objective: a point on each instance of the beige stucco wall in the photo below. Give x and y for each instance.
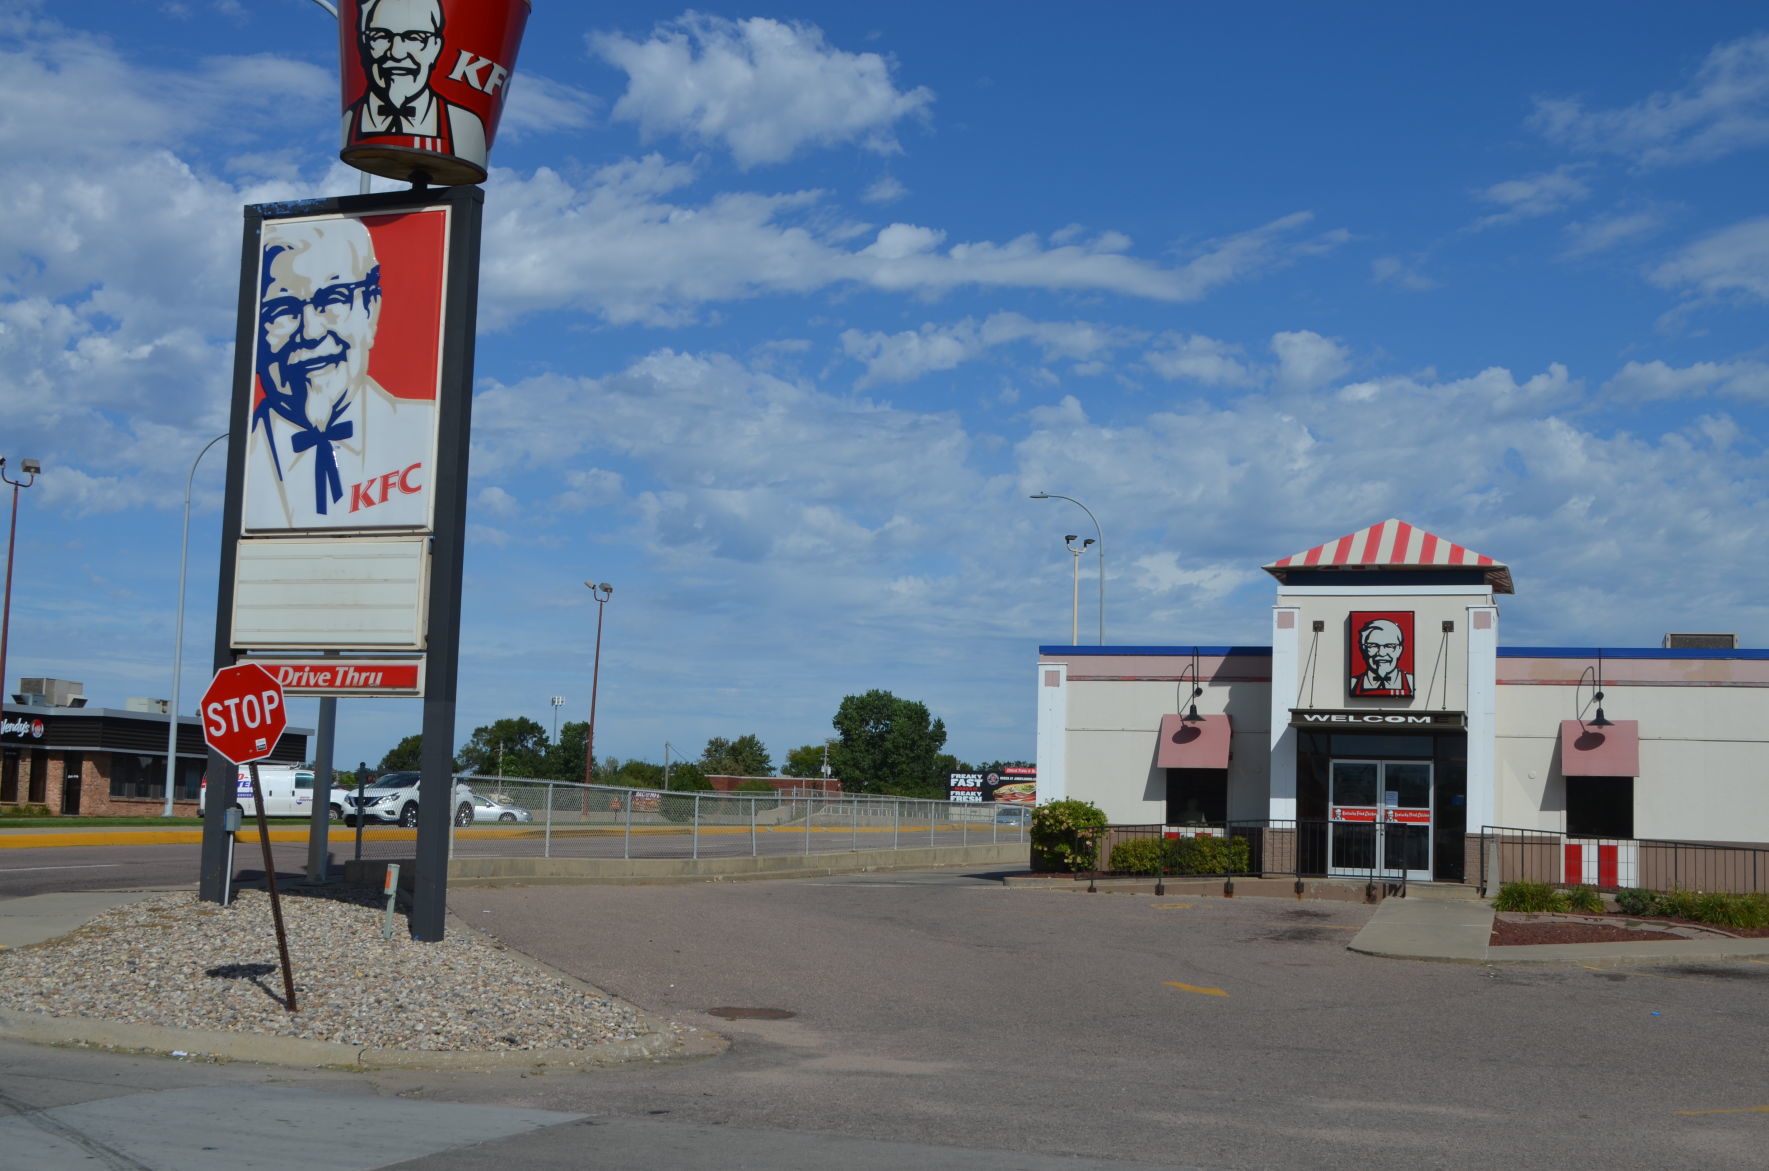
(1114, 709)
(1704, 743)
(1434, 654)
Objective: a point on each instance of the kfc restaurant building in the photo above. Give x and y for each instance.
(1385, 728)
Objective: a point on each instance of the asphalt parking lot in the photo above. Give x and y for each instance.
(941, 1020)
(1168, 1031)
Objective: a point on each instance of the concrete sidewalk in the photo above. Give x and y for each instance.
(1458, 932)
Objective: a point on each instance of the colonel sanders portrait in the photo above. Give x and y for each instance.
(401, 42)
(1382, 644)
(330, 447)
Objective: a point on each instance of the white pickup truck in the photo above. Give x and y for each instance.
(288, 792)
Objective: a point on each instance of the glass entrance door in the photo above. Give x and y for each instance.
(1380, 812)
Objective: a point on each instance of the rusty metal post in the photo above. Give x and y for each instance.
(276, 903)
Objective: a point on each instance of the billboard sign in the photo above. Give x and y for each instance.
(424, 82)
(346, 372)
(1015, 784)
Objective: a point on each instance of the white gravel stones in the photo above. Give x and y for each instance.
(178, 963)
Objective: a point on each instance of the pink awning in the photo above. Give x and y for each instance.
(1587, 751)
(1199, 743)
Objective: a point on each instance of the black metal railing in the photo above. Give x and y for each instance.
(1509, 854)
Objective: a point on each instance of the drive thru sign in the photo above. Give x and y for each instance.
(243, 713)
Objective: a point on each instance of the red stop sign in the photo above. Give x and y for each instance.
(243, 713)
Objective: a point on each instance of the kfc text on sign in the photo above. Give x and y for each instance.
(243, 713)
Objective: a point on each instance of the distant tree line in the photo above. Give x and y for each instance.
(883, 744)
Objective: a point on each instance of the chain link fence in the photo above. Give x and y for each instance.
(521, 818)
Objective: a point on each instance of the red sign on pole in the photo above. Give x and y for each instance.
(243, 713)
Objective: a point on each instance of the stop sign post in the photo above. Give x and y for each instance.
(243, 718)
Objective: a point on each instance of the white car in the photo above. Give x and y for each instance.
(394, 798)
(497, 807)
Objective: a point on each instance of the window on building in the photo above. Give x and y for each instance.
(9, 776)
(1600, 807)
(1197, 796)
(143, 777)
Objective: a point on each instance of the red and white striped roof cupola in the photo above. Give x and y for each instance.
(1393, 544)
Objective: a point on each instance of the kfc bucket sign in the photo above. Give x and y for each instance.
(424, 83)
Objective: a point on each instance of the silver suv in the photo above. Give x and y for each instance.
(393, 798)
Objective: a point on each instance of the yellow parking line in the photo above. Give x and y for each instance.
(1194, 988)
(1733, 1110)
(1170, 906)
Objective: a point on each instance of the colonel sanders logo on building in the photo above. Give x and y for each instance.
(1381, 654)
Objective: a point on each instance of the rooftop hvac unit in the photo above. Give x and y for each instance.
(55, 692)
(1718, 642)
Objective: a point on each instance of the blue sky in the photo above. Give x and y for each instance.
(785, 312)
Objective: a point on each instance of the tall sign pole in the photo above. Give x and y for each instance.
(344, 519)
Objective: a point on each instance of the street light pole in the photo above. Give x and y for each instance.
(31, 468)
(601, 591)
(558, 701)
(1102, 553)
(178, 636)
(1075, 597)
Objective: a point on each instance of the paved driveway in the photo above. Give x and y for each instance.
(1194, 1031)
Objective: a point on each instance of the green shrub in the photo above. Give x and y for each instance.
(1680, 904)
(1203, 855)
(1584, 900)
(30, 811)
(754, 785)
(1529, 896)
(1065, 835)
(1634, 901)
(1137, 856)
(1730, 910)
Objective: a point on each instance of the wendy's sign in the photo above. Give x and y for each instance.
(424, 83)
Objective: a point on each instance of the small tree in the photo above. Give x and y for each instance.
(406, 756)
(804, 761)
(888, 745)
(745, 756)
(510, 748)
(1066, 834)
(565, 758)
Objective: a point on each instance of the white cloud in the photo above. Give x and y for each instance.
(885, 189)
(1724, 109)
(1732, 260)
(1588, 237)
(1195, 358)
(1307, 360)
(1404, 272)
(1652, 381)
(763, 89)
(540, 105)
(657, 259)
(905, 356)
(496, 502)
(587, 488)
(1531, 196)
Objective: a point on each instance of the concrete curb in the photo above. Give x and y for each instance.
(619, 871)
(1459, 934)
(301, 1052)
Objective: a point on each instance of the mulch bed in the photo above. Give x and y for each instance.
(1517, 930)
